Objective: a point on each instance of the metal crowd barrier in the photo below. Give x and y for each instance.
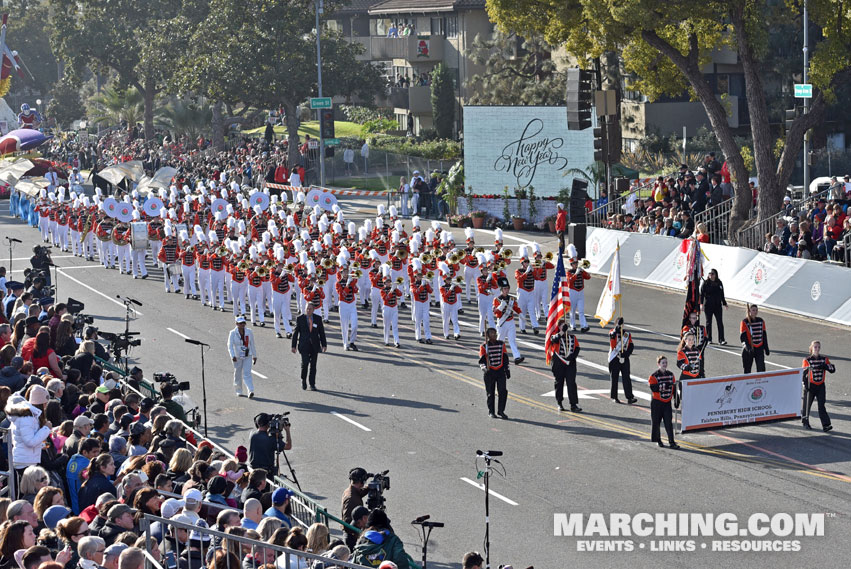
(598, 217)
(753, 236)
(717, 220)
(239, 546)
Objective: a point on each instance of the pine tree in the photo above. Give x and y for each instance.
(443, 101)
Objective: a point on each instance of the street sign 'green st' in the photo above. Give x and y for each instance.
(803, 91)
(320, 103)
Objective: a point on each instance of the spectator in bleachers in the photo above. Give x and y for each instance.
(29, 428)
(46, 497)
(280, 507)
(131, 558)
(99, 471)
(379, 536)
(33, 479)
(70, 531)
(112, 553)
(252, 513)
(91, 550)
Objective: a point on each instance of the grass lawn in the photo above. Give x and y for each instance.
(341, 129)
(359, 183)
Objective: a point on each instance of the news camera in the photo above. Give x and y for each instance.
(169, 379)
(277, 423)
(75, 308)
(376, 487)
(119, 343)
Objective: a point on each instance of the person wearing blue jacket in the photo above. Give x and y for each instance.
(100, 469)
(89, 448)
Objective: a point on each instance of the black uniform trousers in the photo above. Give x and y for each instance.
(661, 411)
(616, 368)
(718, 313)
(308, 367)
(749, 357)
(565, 373)
(495, 380)
(818, 393)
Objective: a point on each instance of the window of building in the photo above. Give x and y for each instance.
(334, 25)
(379, 27)
(723, 84)
(451, 26)
(437, 28)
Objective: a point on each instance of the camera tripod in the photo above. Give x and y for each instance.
(292, 477)
(124, 337)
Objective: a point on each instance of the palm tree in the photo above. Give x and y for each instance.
(116, 104)
(186, 116)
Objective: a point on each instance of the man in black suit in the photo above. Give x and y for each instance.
(309, 339)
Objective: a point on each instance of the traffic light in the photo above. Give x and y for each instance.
(579, 99)
(791, 115)
(599, 145)
(326, 123)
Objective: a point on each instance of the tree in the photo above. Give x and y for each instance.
(186, 117)
(120, 35)
(65, 105)
(267, 61)
(443, 101)
(518, 71)
(665, 44)
(116, 104)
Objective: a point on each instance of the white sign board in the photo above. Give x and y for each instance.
(719, 402)
(519, 147)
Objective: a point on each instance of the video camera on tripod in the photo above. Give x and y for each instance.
(119, 343)
(168, 378)
(376, 487)
(277, 424)
(75, 308)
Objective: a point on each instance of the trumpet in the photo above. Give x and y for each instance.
(289, 267)
(453, 259)
(459, 280)
(262, 272)
(222, 251)
(538, 263)
(357, 273)
(426, 258)
(480, 249)
(548, 256)
(243, 266)
(320, 282)
(506, 253)
(399, 281)
(327, 263)
(429, 275)
(401, 254)
(585, 263)
(356, 265)
(500, 265)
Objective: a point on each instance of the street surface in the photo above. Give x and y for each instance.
(420, 412)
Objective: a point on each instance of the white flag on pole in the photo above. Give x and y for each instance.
(608, 304)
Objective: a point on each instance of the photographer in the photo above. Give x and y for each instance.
(41, 262)
(173, 407)
(266, 441)
(354, 494)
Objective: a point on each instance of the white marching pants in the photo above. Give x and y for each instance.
(204, 286)
(450, 313)
(155, 250)
(375, 304)
(281, 311)
(422, 321)
(138, 262)
(542, 306)
(470, 276)
(577, 304)
(237, 293)
(255, 303)
(526, 302)
(171, 277)
(485, 312)
(189, 279)
(242, 374)
(217, 289)
(44, 227)
(390, 315)
(508, 333)
(348, 322)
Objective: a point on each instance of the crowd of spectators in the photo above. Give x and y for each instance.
(817, 231)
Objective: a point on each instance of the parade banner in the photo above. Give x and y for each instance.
(736, 400)
(762, 276)
(817, 290)
(523, 147)
(600, 246)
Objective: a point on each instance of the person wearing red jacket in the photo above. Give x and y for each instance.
(188, 255)
(347, 291)
(450, 293)
(576, 278)
(525, 277)
(561, 224)
(390, 295)
(282, 292)
(420, 294)
(485, 285)
(815, 367)
(504, 310)
(662, 386)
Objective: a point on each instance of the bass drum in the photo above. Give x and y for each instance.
(139, 235)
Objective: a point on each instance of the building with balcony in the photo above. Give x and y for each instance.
(407, 38)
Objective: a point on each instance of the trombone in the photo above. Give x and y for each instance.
(262, 272)
(548, 256)
(426, 258)
(401, 254)
(506, 253)
(453, 259)
(243, 266)
(429, 275)
(459, 280)
(327, 263)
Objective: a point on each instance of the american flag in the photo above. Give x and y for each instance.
(559, 304)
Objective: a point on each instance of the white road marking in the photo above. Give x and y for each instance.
(173, 331)
(52, 257)
(505, 235)
(258, 374)
(65, 268)
(591, 393)
(491, 492)
(355, 423)
(81, 283)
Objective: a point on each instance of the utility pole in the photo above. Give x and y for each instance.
(806, 105)
(319, 10)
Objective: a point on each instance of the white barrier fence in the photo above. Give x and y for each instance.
(799, 286)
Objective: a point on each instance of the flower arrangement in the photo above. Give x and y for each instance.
(478, 213)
